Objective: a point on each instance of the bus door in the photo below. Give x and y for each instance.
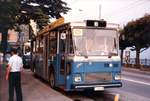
(39, 56)
(62, 51)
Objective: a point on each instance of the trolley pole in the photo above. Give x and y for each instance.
(100, 11)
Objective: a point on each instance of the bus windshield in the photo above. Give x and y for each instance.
(95, 42)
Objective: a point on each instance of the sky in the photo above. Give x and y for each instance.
(113, 11)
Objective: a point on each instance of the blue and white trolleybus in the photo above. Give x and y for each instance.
(78, 56)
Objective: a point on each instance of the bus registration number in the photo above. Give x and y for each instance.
(98, 88)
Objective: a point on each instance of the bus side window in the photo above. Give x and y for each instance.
(70, 43)
(62, 42)
(40, 49)
(52, 50)
(62, 46)
(53, 43)
(37, 45)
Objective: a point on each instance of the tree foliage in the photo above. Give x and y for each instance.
(8, 12)
(123, 43)
(40, 18)
(138, 32)
(53, 8)
(41, 10)
(137, 35)
(11, 14)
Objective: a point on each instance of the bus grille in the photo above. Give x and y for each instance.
(98, 77)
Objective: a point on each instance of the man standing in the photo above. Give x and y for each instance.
(13, 74)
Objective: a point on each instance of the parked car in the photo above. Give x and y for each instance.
(26, 61)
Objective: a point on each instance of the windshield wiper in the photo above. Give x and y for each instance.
(110, 54)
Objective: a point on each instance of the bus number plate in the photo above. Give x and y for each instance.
(98, 88)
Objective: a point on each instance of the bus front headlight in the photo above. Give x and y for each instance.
(118, 77)
(77, 78)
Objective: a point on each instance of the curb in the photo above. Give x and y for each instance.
(128, 69)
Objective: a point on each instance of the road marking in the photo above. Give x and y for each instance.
(140, 82)
(116, 97)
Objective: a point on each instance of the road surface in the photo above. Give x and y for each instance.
(136, 87)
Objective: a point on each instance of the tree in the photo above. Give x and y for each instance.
(40, 18)
(8, 12)
(137, 34)
(53, 8)
(42, 10)
(123, 43)
(11, 14)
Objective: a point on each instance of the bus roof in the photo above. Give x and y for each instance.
(61, 22)
(52, 25)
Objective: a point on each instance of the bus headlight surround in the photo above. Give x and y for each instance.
(117, 77)
(77, 78)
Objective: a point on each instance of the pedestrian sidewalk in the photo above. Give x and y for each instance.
(33, 89)
(128, 69)
(3, 84)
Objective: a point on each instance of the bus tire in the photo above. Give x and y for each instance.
(52, 79)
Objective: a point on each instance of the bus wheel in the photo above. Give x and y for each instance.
(52, 80)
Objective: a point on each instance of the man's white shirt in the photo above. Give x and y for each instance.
(16, 63)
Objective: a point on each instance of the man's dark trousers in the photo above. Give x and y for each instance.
(15, 84)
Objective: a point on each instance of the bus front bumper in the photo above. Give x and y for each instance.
(100, 86)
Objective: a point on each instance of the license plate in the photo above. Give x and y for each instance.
(98, 88)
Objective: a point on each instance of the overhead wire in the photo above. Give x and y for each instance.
(124, 7)
(127, 7)
(125, 12)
